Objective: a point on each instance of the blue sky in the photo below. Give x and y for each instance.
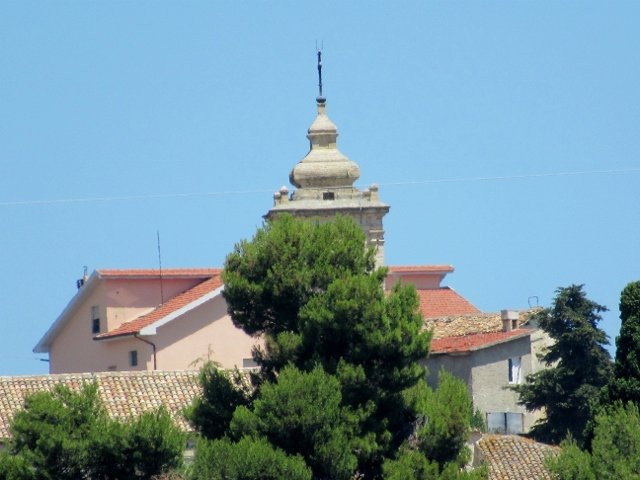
(453, 108)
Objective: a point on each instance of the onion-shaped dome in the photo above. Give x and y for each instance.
(324, 165)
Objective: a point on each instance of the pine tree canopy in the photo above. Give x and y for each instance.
(578, 366)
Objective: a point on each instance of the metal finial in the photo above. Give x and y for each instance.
(320, 98)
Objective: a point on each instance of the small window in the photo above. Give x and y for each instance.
(328, 196)
(95, 319)
(249, 363)
(133, 358)
(515, 372)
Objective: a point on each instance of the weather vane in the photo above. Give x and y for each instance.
(320, 98)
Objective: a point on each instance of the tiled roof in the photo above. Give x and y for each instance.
(169, 272)
(454, 325)
(511, 457)
(125, 394)
(177, 302)
(467, 343)
(443, 301)
(420, 268)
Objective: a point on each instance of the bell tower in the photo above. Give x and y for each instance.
(324, 183)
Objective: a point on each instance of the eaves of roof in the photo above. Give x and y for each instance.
(420, 268)
(43, 344)
(474, 342)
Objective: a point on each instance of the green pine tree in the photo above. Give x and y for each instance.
(340, 374)
(625, 385)
(67, 435)
(615, 449)
(578, 366)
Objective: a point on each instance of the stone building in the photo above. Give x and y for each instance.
(490, 352)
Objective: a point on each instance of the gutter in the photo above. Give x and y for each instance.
(153, 345)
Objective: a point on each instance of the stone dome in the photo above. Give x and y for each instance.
(324, 165)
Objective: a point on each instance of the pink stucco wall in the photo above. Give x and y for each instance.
(205, 332)
(422, 281)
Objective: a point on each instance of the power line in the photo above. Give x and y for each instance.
(157, 196)
(152, 196)
(515, 177)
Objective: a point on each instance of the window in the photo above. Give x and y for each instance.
(504, 422)
(249, 363)
(515, 372)
(133, 358)
(95, 319)
(328, 195)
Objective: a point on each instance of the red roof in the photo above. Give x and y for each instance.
(169, 272)
(443, 302)
(420, 268)
(467, 343)
(176, 303)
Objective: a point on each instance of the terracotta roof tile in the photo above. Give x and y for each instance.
(511, 457)
(443, 301)
(476, 341)
(177, 302)
(471, 323)
(125, 394)
(169, 272)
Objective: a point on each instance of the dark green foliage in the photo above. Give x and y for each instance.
(444, 423)
(410, 465)
(413, 465)
(572, 464)
(15, 467)
(222, 393)
(302, 414)
(249, 459)
(615, 448)
(67, 435)
(578, 367)
(373, 343)
(626, 384)
(340, 354)
(149, 445)
(312, 291)
(53, 432)
(269, 279)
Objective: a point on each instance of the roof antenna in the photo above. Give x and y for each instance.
(320, 98)
(80, 282)
(160, 265)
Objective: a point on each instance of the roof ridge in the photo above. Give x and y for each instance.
(423, 267)
(89, 375)
(149, 272)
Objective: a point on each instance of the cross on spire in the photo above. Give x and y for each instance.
(320, 98)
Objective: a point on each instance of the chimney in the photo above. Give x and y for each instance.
(509, 320)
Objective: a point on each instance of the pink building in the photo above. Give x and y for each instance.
(136, 320)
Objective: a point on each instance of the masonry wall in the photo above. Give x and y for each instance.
(490, 378)
(118, 300)
(459, 366)
(486, 374)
